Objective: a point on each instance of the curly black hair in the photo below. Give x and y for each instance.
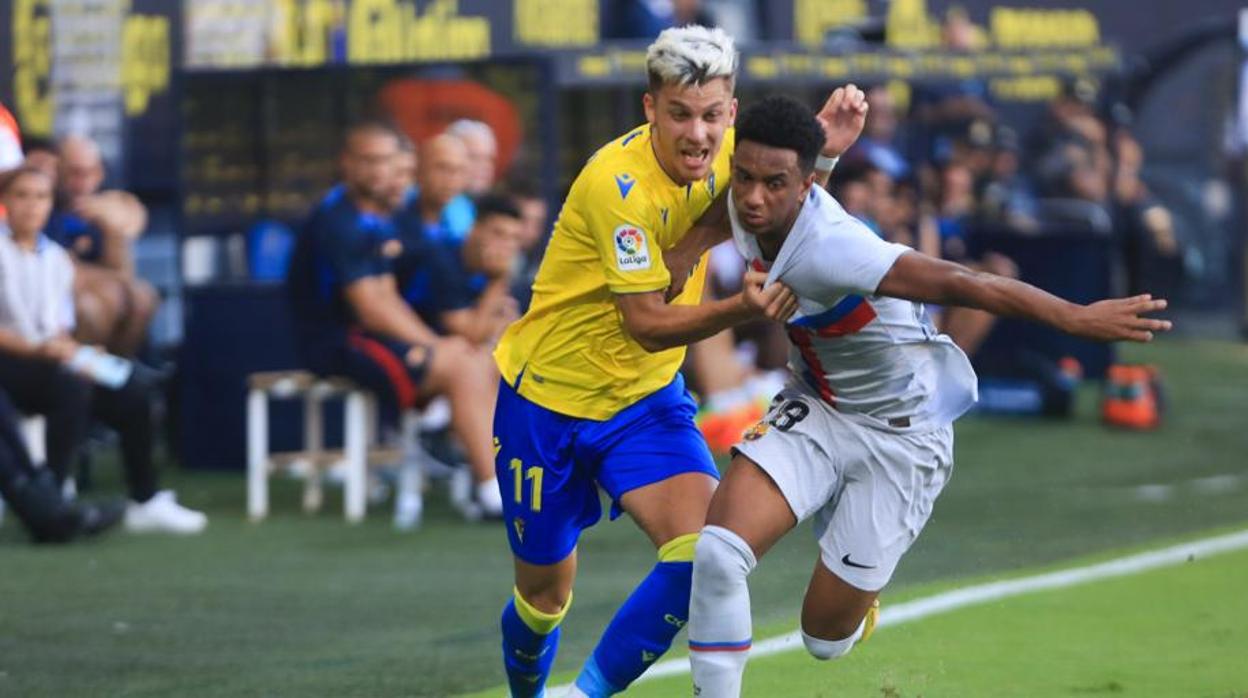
(783, 122)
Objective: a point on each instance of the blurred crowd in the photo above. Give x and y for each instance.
(73, 315)
(940, 169)
(405, 274)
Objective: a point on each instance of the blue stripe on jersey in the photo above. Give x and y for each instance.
(631, 136)
(837, 312)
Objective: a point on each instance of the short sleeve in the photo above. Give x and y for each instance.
(623, 224)
(852, 259)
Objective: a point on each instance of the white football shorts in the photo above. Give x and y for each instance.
(869, 490)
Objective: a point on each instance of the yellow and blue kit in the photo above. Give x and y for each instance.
(580, 400)
(581, 405)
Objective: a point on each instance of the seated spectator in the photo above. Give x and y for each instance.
(37, 357)
(464, 288)
(878, 143)
(1146, 226)
(967, 327)
(1006, 197)
(99, 228)
(482, 150)
(946, 109)
(442, 180)
(34, 495)
(533, 233)
(351, 321)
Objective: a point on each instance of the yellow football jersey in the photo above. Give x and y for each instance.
(623, 211)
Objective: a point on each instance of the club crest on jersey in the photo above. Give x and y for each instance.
(631, 253)
(625, 182)
(756, 432)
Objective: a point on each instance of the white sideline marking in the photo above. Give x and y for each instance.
(992, 591)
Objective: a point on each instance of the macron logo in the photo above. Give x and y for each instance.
(625, 182)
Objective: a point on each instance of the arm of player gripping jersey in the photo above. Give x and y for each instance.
(917, 277)
(711, 228)
(658, 326)
(380, 309)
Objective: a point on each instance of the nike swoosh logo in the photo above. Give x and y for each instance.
(845, 560)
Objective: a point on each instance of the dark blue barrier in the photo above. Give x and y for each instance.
(231, 331)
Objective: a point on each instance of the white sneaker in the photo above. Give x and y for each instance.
(163, 514)
(489, 499)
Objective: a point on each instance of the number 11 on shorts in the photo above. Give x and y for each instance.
(534, 473)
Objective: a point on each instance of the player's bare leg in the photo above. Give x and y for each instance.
(530, 622)
(746, 517)
(546, 587)
(834, 614)
(671, 508)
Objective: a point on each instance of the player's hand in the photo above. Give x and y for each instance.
(1119, 319)
(842, 118)
(775, 302)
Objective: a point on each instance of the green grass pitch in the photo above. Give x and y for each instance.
(307, 606)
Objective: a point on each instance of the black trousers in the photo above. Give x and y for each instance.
(68, 403)
(14, 459)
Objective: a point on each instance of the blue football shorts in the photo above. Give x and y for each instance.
(550, 465)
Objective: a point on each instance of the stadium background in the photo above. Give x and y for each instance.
(224, 116)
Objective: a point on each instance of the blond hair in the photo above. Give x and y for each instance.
(691, 55)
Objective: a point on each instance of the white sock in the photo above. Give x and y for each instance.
(831, 649)
(719, 613)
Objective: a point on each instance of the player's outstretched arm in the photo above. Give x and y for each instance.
(917, 277)
(657, 326)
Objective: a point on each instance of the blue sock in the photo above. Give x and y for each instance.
(530, 641)
(645, 625)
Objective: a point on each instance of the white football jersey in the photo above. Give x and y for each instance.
(866, 355)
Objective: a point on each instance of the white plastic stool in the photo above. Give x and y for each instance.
(312, 461)
(359, 418)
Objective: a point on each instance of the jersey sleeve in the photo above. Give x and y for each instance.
(852, 259)
(623, 224)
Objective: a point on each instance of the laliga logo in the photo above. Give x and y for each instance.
(631, 253)
(629, 240)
